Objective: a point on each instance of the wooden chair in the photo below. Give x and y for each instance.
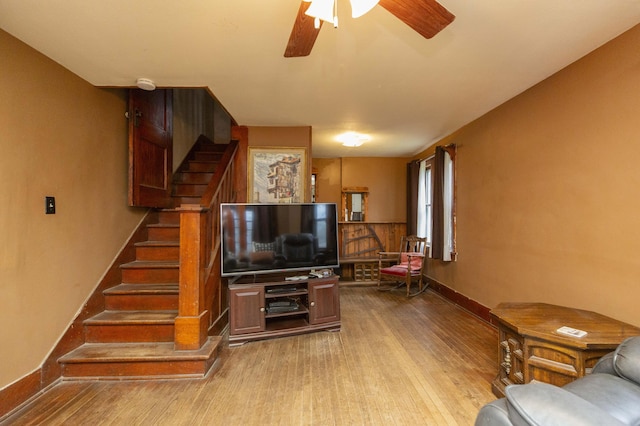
(406, 265)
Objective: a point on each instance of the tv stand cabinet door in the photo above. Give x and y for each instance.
(246, 310)
(324, 301)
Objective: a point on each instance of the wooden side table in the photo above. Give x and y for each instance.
(530, 348)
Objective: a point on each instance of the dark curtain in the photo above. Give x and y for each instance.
(437, 225)
(413, 174)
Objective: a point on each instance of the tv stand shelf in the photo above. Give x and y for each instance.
(315, 306)
(299, 311)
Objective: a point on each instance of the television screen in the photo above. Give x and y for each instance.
(265, 238)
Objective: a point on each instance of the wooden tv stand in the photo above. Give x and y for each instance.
(258, 309)
(530, 347)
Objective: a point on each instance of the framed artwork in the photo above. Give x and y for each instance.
(277, 175)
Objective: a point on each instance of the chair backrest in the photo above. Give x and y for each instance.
(415, 244)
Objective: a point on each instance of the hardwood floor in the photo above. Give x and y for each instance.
(396, 361)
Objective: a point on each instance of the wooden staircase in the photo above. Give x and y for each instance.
(134, 336)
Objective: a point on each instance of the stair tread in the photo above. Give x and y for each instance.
(163, 225)
(158, 243)
(158, 264)
(213, 161)
(132, 317)
(126, 352)
(155, 288)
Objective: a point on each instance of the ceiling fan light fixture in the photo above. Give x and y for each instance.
(323, 9)
(360, 7)
(352, 139)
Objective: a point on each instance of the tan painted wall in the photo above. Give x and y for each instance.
(329, 174)
(61, 137)
(386, 179)
(549, 191)
(268, 136)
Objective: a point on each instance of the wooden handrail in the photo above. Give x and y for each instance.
(199, 255)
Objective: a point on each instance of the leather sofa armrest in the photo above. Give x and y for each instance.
(494, 414)
(626, 359)
(539, 403)
(605, 365)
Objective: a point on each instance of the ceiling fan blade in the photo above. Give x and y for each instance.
(427, 17)
(303, 35)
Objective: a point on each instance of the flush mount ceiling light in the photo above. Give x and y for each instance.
(352, 139)
(145, 84)
(327, 10)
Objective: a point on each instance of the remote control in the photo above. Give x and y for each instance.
(573, 332)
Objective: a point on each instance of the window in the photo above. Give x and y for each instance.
(320, 224)
(443, 201)
(424, 201)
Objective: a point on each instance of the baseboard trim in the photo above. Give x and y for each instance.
(461, 300)
(18, 392)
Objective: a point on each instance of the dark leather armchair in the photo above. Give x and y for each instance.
(295, 250)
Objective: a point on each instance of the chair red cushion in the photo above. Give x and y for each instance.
(397, 270)
(400, 270)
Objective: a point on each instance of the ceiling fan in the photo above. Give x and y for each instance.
(427, 17)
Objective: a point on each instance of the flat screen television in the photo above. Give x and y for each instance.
(268, 238)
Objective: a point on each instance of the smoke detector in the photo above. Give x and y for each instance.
(146, 84)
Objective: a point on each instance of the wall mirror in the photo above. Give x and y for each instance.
(355, 200)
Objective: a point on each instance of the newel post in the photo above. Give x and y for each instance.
(192, 322)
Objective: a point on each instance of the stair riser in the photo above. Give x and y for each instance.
(163, 234)
(112, 333)
(132, 369)
(208, 156)
(187, 190)
(120, 302)
(186, 200)
(218, 147)
(158, 253)
(198, 166)
(169, 218)
(193, 177)
(150, 276)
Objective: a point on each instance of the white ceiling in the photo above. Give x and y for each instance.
(373, 75)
